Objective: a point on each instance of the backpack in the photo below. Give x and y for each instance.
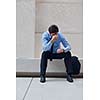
(75, 65)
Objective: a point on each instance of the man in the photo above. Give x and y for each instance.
(51, 50)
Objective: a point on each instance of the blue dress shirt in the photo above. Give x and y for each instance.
(46, 43)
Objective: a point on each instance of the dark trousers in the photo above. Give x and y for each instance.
(47, 55)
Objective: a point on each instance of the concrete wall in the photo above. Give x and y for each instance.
(67, 14)
(34, 17)
(25, 28)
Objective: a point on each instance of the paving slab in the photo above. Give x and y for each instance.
(55, 89)
(21, 87)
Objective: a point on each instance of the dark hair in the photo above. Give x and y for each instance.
(53, 29)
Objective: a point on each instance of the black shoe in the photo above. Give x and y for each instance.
(69, 78)
(42, 79)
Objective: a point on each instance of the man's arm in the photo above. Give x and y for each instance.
(46, 43)
(65, 43)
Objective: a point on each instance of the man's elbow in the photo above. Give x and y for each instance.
(70, 48)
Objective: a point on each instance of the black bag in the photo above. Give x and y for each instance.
(76, 65)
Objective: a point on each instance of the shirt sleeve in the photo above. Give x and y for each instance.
(46, 43)
(65, 43)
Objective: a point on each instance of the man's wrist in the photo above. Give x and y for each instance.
(52, 41)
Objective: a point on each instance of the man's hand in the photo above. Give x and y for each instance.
(54, 38)
(60, 51)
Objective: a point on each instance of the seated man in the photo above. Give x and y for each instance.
(51, 50)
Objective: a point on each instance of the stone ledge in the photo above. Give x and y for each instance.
(33, 65)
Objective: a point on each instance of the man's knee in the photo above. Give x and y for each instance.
(45, 53)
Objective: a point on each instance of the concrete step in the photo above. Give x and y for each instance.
(31, 66)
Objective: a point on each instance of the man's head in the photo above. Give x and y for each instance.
(53, 29)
